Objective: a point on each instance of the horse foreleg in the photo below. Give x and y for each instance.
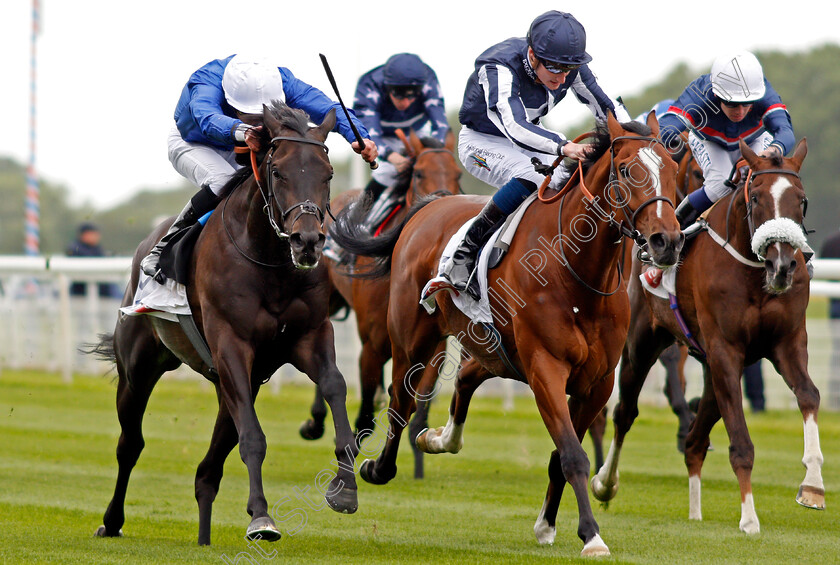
(640, 352)
(371, 363)
(234, 359)
(450, 438)
(208, 476)
(548, 379)
(313, 428)
(697, 444)
(315, 356)
(791, 361)
(405, 384)
(671, 359)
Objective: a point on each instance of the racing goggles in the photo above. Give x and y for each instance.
(730, 104)
(404, 92)
(557, 68)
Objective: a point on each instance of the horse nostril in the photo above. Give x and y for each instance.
(296, 240)
(657, 241)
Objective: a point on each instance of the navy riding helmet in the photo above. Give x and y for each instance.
(404, 69)
(557, 37)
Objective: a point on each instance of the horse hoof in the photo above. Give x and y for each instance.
(311, 430)
(811, 497)
(262, 529)
(368, 472)
(600, 491)
(345, 501)
(102, 532)
(595, 548)
(420, 441)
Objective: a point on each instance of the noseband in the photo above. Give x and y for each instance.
(786, 229)
(307, 207)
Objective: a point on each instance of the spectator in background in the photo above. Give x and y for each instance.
(831, 250)
(87, 245)
(754, 386)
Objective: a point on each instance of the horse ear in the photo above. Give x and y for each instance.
(449, 141)
(615, 128)
(748, 154)
(272, 124)
(416, 144)
(799, 153)
(653, 123)
(326, 126)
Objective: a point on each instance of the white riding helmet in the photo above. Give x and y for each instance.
(738, 77)
(250, 82)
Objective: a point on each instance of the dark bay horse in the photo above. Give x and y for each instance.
(260, 298)
(433, 170)
(742, 302)
(560, 308)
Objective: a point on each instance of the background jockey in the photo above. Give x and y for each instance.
(222, 106)
(515, 83)
(403, 93)
(731, 103)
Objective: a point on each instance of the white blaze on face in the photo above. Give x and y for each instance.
(777, 191)
(653, 163)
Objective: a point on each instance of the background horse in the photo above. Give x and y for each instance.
(260, 301)
(571, 280)
(739, 310)
(433, 171)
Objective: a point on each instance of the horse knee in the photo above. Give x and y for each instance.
(574, 462)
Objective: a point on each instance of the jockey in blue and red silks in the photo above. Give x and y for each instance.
(733, 102)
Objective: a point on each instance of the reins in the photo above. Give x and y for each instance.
(626, 229)
(267, 194)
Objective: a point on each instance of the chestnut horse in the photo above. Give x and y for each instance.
(560, 306)
(742, 288)
(433, 169)
(260, 299)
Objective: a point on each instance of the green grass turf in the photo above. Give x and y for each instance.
(57, 473)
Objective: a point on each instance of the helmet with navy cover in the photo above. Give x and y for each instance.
(738, 77)
(557, 37)
(404, 69)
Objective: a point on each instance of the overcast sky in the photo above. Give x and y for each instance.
(109, 73)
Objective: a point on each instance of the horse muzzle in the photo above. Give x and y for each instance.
(306, 248)
(664, 248)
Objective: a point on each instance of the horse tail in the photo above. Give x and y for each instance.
(349, 233)
(103, 350)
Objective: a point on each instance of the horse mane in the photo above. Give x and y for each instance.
(291, 118)
(601, 142)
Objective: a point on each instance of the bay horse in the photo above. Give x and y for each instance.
(561, 312)
(742, 290)
(260, 298)
(433, 170)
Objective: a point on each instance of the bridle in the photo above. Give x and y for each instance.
(627, 226)
(307, 207)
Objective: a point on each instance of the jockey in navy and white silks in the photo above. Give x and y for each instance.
(515, 83)
(221, 106)
(719, 109)
(404, 93)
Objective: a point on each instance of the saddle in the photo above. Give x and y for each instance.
(175, 258)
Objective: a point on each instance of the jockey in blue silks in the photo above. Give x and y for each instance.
(220, 107)
(515, 83)
(734, 102)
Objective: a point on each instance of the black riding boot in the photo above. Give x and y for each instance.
(687, 214)
(201, 203)
(462, 263)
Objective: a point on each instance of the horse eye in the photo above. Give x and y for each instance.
(276, 174)
(622, 170)
(754, 199)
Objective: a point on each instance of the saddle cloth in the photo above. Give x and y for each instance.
(489, 257)
(165, 301)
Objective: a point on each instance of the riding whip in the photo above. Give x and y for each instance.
(359, 139)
